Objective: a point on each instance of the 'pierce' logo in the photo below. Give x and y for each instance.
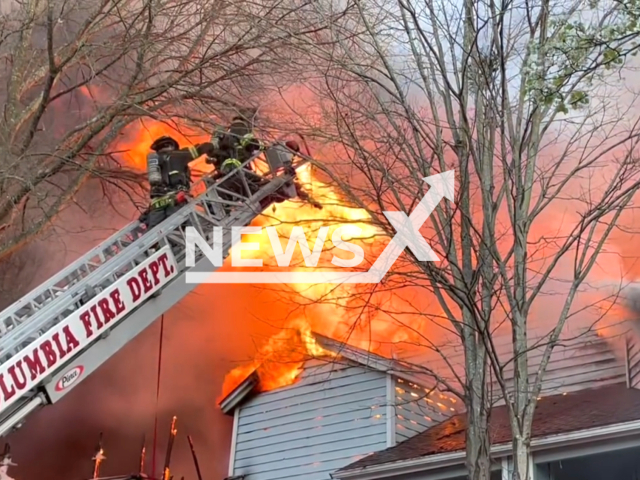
(69, 378)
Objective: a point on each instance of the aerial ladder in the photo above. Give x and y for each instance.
(58, 334)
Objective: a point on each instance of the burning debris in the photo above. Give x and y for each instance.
(166, 471)
(5, 463)
(99, 458)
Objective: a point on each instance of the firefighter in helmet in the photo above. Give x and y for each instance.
(238, 144)
(234, 147)
(170, 177)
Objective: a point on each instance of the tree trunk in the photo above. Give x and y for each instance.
(478, 444)
(521, 461)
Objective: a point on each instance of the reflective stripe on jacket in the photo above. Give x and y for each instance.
(194, 152)
(163, 202)
(249, 138)
(231, 162)
(169, 200)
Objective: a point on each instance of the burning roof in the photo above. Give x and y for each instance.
(316, 346)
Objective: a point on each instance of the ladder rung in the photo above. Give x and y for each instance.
(37, 313)
(62, 275)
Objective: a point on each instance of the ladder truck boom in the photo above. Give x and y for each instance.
(59, 333)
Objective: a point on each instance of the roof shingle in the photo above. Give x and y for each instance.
(555, 414)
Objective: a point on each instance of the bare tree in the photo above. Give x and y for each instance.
(78, 72)
(518, 99)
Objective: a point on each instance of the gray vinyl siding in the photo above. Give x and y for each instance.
(576, 364)
(334, 415)
(417, 408)
(581, 360)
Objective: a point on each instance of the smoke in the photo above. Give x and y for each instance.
(205, 335)
(597, 304)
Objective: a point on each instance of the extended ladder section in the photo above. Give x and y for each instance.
(58, 334)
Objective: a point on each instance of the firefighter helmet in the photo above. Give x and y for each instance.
(165, 142)
(292, 145)
(247, 115)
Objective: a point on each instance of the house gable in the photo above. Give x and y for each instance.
(333, 415)
(340, 409)
(410, 373)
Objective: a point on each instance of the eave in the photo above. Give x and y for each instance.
(451, 459)
(376, 362)
(341, 350)
(231, 401)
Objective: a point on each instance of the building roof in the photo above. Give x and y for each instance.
(408, 371)
(554, 415)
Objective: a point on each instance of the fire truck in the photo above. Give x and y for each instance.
(58, 334)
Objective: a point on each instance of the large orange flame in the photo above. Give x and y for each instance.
(335, 312)
(280, 360)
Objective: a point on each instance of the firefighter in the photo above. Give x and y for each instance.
(234, 147)
(237, 145)
(170, 177)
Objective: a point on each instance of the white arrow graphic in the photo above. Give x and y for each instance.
(408, 235)
(408, 228)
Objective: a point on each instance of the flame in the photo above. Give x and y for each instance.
(330, 311)
(99, 457)
(280, 361)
